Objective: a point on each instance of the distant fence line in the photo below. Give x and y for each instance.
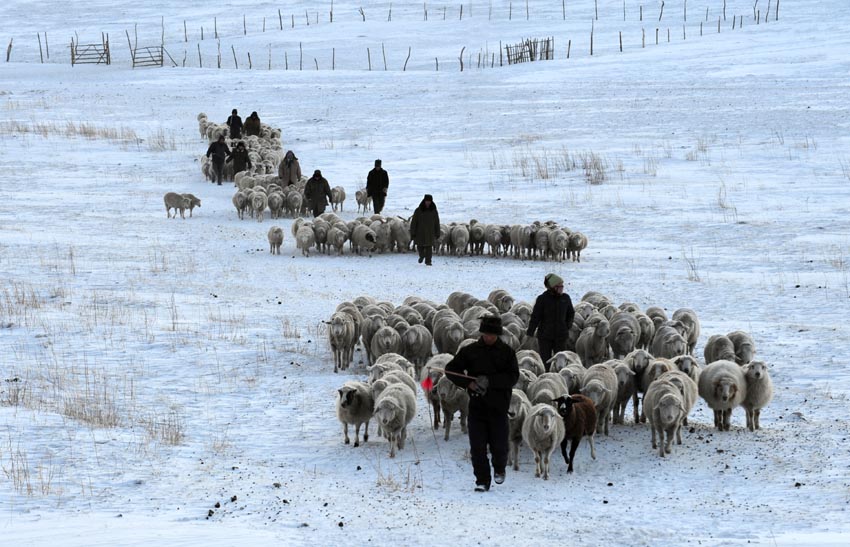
(531, 49)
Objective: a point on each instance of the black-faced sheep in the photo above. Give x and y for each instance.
(723, 386)
(354, 406)
(543, 431)
(759, 391)
(579, 417)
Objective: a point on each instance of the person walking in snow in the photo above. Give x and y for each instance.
(289, 169)
(493, 365)
(219, 152)
(234, 122)
(425, 228)
(377, 182)
(252, 125)
(240, 158)
(318, 193)
(551, 318)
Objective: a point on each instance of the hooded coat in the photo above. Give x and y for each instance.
(252, 125)
(425, 225)
(289, 169)
(240, 159)
(234, 122)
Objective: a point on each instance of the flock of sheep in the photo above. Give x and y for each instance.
(615, 354)
(265, 150)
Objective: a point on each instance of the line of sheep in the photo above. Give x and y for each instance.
(585, 387)
(265, 150)
(257, 193)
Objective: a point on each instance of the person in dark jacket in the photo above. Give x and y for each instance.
(289, 169)
(252, 125)
(493, 365)
(318, 193)
(240, 158)
(425, 228)
(234, 122)
(552, 318)
(377, 183)
(219, 152)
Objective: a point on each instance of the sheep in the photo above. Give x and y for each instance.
(336, 238)
(546, 388)
(501, 299)
(363, 238)
(719, 347)
(305, 238)
(687, 388)
(562, 359)
(193, 202)
(385, 340)
(657, 314)
(723, 387)
(452, 399)
(416, 345)
(276, 202)
(689, 318)
(638, 361)
(600, 385)
(592, 343)
(653, 370)
(390, 377)
(626, 390)
(559, 241)
(448, 334)
(259, 203)
(240, 202)
(493, 238)
(476, 237)
(294, 203)
(759, 391)
(459, 239)
(579, 417)
(394, 410)
(175, 201)
(320, 232)
(647, 330)
(668, 343)
(573, 375)
(531, 361)
(543, 431)
(688, 364)
(526, 377)
(337, 197)
(665, 414)
(745, 347)
(341, 335)
(518, 410)
(275, 239)
(577, 243)
(624, 334)
(363, 200)
(434, 371)
(354, 406)
(522, 310)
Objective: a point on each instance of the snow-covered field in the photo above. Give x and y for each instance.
(170, 380)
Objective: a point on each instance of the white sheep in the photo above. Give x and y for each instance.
(518, 410)
(452, 399)
(194, 201)
(363, 238)
(341, 335)
(501, 299)
(573, 375)
(745, 347)
(175, 201)
(259, 202)
(305, 239)
(759, 391)
(563, 358)
(624, 334)
(719, 347)
(416, 345)
(354, 406)
(543, 431)
(653, 370)
(546, 388)
(389, 378)
(337, 197)
(689, 318)
(626, 390)
(275, 239)
(668, 343)
(385, 340)
(600, 386)
(638, 361)
(394, 410)
(723, 386)
(577, 243)
(686, 386)
(526, 377)
(530, 360)
(592, 343)
(665, 412)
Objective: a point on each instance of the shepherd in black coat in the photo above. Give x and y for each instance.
(377, 183)
(552, 318)
(240, 158)
(493, 365)
(219, 152)
(234, 122)
(425, 228)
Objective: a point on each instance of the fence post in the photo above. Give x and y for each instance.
(333, 58)
(235, 62)
(9, 50)
(200, 60)
(47, 45)
(384, 54)
(185, 32)
(369, 58)
(300, 56)
(40, 54)
(280, 19)
(409, 49)
(461, 58)
(72, 52)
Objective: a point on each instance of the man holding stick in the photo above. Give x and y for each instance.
(488, 370)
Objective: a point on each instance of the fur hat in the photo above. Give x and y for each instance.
(377, 163)
(317, 173)
(491, 324)
(428, 197)
(551, 280)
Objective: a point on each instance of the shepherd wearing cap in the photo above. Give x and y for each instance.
(234, 123)
(488, 370)
(425, 228)
(318, 193)
(377, 182)
(552, 318)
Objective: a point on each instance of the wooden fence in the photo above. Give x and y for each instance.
(148, 56)
(91, 54)
(531, 50)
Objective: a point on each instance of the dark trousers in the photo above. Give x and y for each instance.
(218, 171)
(378, 202)
(318, 210)
(487, 430)
(549, 347)
(425, 252)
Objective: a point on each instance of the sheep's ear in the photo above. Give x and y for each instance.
(549, 360)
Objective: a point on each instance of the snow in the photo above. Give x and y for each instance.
(726, 192)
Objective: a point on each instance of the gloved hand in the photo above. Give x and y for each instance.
(478, 387)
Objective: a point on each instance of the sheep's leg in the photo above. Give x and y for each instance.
(538, 463)
(513, 455)
(592, 447)
(635, 406)
(345, 432)
(356, 435)
(654, 440)
(756, 416)
(668, 445)
(463, 428)
(448, 424)
(437, 411)
(573, 447)
(402, 437)
(718, 420)
(546, 465)
(393, 443)
(679, 433)
(750, 423)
